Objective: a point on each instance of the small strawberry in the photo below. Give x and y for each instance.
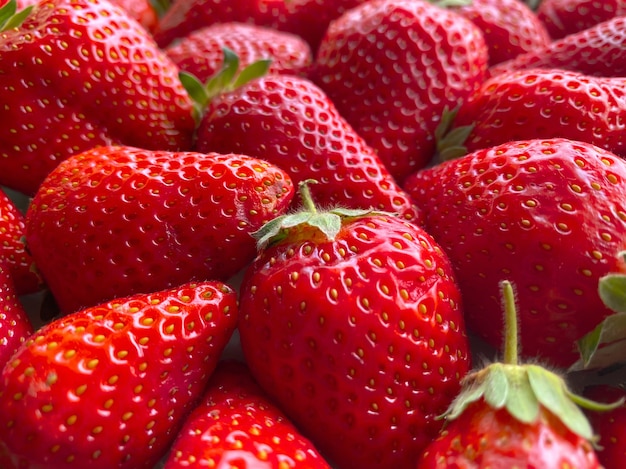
(564, 17)
(110, 386)
(550, 215)
(514, 415)
(236, 425)
(392, 66)
(201, 52)
(114, 221)
(15, 327)
(609, 426)
(80, 73)
(526, 104)
(290, 122)
(351, 321)
(599, 51)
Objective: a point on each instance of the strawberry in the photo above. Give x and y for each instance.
(201, 52)
(110, 386)
(100, 80)
(550, 215)
(610, 426)
(290, 122)
(509, 27)
(514, 415)
(13, 253)
(599, 51)
(15, 326)
(114, 221)
(564, 17)
(236, 425)
(392, 66)
(351, 321)
(526, 104)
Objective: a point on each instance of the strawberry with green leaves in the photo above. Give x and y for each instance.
(514, 415)
(564, 17)
(236, 425)
(392, 67)
(15, 326)
(114, 221)
(110, 386)
(351, 321)
(549, 215)
(81, 73)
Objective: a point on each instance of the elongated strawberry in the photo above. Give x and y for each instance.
(109, 386)
(599, 51)
(514, 415)
(236, 424)
(290, 122)
(392, 66)
(526, 104)
(15, 327)
(550, 215)
(564, 17)
(351, 321)
(119, 220)
(81, 73)
(201, 52)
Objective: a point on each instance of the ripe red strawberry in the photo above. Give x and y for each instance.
(526, 104)
(550, 215)
(236, 425)
(564, 17)
(290, 122)
(15, 326)
(392, 66)
(609, 426)
(598, 51)
(119, 220)
(201, 52)
(514, 415)
(351, 321)
(509, 27)
(100, 79)
(13, 254)
(110, 386)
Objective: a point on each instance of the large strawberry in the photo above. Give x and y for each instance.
(81, 73)
(392, 66)
(550, 215)
(15, 326)
(564, 17)
(119, 220)
(514, 415)
(290, 122)
(236, 422)
(526, 104)
(352, 322)
(110, 386)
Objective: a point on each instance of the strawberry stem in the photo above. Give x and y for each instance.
(511, 353)
(305, 195)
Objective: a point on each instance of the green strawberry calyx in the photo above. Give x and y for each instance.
(327, 221)
(10, 17)
(227, 79)
(522, 389)
(450, 140)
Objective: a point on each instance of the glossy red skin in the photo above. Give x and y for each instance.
(13, 253)
(200, 53)
(117, 220)
(526, 104)
(364, 357)
(609, 426)
(236, 425)
(599, 51)
(15, 327)
(290, 122)
(125, 410)
(131, 95)
(563, 17)
(392, 66)
(510, 27)
(547, 215)
(485, 437)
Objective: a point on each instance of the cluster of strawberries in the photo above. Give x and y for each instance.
(270, 233)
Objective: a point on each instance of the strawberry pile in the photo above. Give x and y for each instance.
(270, 233)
